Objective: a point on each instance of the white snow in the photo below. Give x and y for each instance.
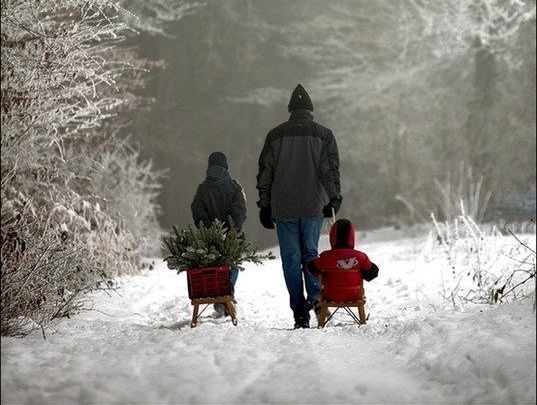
(137, 346)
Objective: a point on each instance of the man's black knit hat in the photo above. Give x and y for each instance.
(218, 159)
(300, 99)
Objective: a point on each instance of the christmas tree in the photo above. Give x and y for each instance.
(210, 246)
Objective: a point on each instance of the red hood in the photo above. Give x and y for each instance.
(342, 234)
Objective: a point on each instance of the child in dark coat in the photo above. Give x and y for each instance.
(339, 265)
(220, 197)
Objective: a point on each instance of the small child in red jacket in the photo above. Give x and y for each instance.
(343, 268)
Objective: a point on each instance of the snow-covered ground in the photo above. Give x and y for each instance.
(137, 345)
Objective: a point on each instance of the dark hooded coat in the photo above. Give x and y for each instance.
(299, 164)
(219, 197)
(298, 168)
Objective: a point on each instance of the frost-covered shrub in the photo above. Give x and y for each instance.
(518, 281)
(458, 189)
(49, 259)
(462, 194)
(483, 268)
(129, 195)
(78, 207)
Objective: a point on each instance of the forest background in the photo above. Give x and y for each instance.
(428, 101)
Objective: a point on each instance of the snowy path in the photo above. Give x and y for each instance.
(140, 348)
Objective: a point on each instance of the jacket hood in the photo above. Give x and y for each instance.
(219, 159)
(300, 99)
(301, 114)
(216, 174)
(342, 234)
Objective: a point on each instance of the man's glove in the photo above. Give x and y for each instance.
(312, 268)
(265, 216)
(334, 203)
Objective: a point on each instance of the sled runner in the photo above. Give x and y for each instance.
(210, 285)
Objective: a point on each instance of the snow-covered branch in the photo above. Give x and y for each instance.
(78, 205)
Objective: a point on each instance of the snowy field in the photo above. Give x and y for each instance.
(137, 346)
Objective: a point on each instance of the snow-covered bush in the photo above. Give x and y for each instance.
(78, 206)
(462, 194)
(459, 193)
(482, 267)
(130, 195)
(525, 270)
(49, 258)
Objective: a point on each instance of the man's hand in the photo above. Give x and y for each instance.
(265, 217)
(335, 203)
(312, 268)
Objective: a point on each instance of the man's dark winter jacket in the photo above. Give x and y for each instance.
(298, 168)
(218, 197)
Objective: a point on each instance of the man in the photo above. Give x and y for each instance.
(298, 183)
(220, 197)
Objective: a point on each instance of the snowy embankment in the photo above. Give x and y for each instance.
(137, 345)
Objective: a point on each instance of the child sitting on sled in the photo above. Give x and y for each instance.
(342, 268)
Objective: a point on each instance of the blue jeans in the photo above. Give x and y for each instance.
(299, 239)
(233, 278)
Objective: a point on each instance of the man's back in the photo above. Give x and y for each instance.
(298, 166)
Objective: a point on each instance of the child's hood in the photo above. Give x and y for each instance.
(217, 170)
(216, 174)
(342, 234)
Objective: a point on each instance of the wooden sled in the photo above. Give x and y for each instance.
(323, 318)
(210, 285)
(227, 300)
(342, 289)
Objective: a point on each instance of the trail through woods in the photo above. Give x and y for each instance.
(137, 345)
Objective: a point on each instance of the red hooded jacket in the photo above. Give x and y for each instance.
(343, 268)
